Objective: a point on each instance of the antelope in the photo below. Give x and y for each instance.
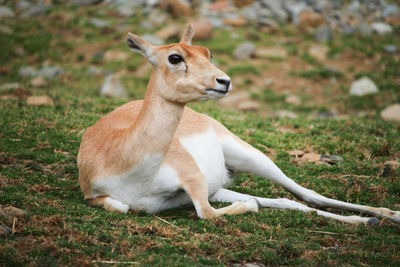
(156, 154)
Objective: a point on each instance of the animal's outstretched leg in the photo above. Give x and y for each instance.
(225, 195)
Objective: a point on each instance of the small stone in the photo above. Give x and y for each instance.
(99, 23)
(85, 2)
(311, 157)
(293, 99)
(115, 55)
(22, 4)
(324, 34)
(244, 51)
(98, 56)
(285, 114)
(364, 29)
(390, 10)
(278, 11)
(39, 82)
(242, 3)
(177, 8)
(9, 86)
(382, 28)
(268, 82)
(326, 114)
(6, 12)
(203, 29)
(26, 72)
(363, 86)
(331, 159)
(50, 72)
(310, 18)
(319, 52)
(156, 18)
(168, 32)
(391, 48)
(263, 21)
(37, 10)
(235, 22)
(125, 10)
(296, 153)
(113, 87)
(42, 100)
(249, 105)
(295, 9)
(271, 52)
(153, 39)
(391, 113)
(93, 70)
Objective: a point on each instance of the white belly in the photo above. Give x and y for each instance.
(206, 150)
(146, 188)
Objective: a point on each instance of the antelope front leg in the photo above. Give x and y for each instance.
(198, 192)
(242, 157)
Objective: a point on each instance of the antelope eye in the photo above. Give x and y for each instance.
(175, 59)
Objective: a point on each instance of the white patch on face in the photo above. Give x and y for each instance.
(176, 67)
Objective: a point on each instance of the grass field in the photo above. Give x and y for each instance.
(38, 148)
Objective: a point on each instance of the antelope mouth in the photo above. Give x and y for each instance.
(222, 92)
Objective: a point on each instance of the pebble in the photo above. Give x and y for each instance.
(331, 159)
(115, 55)
(268, 82)
(285, 114)
(27, 72)
(293, 99)
(382, 28)
(364, 29)
(39, 82)
(319, 52)
(99, 23)
(249, 105)
(391, 48)
(37, 10)
(278, 11)
(6, 12)
(244, 51)
(42, 100)
(311, 18)
(391, 113)
(113, 87)
(93, 70)
(271, 52)
(310, 157)
(295, 9)
(363, 86)
(324, 34)
(326, 114)
(50, 72)
(203, 29)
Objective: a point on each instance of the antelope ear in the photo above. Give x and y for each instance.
(139, 45)
(187, 35)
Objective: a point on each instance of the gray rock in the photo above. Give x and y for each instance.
(331, 159)
(382, 28)
(390, 10)
(23, 5)
(268, 22)
(37, 10)
(278, 12)
(326, 114)
(354, 7)
(99, 56)
(285, 114)
(113, 87)
(50, 72)
(125, 11)
(99, 23)
(295, 8)
(93, 70)
(244, 51)
(391, 113)
(151, 38)
(324, 5)
(324, 34)
(6, 12)
(364, 29)
(390, 48)
(250, 12)
(85, 2)
(363, 86)
(216, 22)
(27, 72)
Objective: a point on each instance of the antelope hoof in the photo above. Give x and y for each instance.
(255, 204)
(373, 221)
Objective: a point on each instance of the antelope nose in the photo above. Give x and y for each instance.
(224, 81)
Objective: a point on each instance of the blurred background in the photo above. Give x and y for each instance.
(291, 58)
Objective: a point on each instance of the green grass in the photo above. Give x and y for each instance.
(38, 172)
